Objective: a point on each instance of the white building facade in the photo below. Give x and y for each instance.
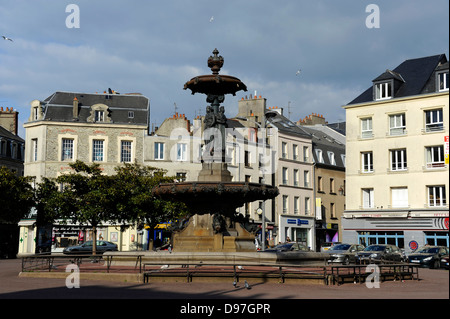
(397, 158)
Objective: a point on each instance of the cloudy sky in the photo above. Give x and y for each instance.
(154, 47)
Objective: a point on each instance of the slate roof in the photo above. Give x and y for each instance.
(7, 134)
(417, 76)
(283, 124)
(59, 107)
(325, 142)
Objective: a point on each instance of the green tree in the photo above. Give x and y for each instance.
(85, 198)
(16, 196)
(137, 204)
(89, 197)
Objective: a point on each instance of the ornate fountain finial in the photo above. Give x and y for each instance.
(215, 62)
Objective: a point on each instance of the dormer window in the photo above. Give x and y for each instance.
(99, 116)
(319, 156)
(443, 79)
(99, 113)
(383, 91)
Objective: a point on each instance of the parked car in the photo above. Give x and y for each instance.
(444, 261)
(344, 253)
(380, 253)
(327, 245)
(290, 246)
(428, 256)
(86, 248)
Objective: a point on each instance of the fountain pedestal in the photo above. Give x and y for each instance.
(199, 236)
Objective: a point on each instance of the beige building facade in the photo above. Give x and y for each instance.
(397, 158)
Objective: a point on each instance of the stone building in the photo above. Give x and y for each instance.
(290, 216)
(106, 128)
(328, 150)
(12, 146)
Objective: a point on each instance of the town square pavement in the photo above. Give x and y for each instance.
(432, 285)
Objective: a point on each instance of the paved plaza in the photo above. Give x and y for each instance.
(432, 284)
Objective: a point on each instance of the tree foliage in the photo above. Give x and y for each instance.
(16, 196)
(89, 197)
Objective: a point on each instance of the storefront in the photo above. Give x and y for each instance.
(326, 233)
(54, 238)
(297, 229)
(409, 231)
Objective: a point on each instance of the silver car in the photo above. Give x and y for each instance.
(344, 253)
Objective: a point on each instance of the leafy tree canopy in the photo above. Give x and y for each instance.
(16, 196)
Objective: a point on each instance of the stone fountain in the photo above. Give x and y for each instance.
(214, 197)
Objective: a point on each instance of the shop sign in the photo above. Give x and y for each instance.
(446, 149)
(413, 245)
(297, 222)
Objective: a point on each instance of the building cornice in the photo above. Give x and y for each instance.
(394, 100)
(79, 124)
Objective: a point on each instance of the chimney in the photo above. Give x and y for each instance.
(75, 108)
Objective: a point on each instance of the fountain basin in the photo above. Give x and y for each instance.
(215, 197)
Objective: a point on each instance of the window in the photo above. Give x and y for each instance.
(319, 156)
(296, 204)
(306, 178)
(399, 196)
(368, 198)
(437, 238)
(307, 206)
(34, 154)
(343, 159)
(285, 203)
(434, 120)
(366, 128)
(99, 116)
(181, 152)
(284, 150)
(319, 184)
(435, 156)
(125, 151)
(181, 177)
(443, 80)
(379, 238)
(159, 151)
(398, 160)
(397, 124)
(332, 210)
(436, 196)
(35, 113)
(367, 162)
(332, 187)
(285, 175)
(296, 177)
(97, 150)
(67, 149)
(247, 159)
(383, 91)
(295, 152)
(131, 114)
(331, 158)
(305, 153)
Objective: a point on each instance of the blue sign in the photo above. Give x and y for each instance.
(297, 221)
